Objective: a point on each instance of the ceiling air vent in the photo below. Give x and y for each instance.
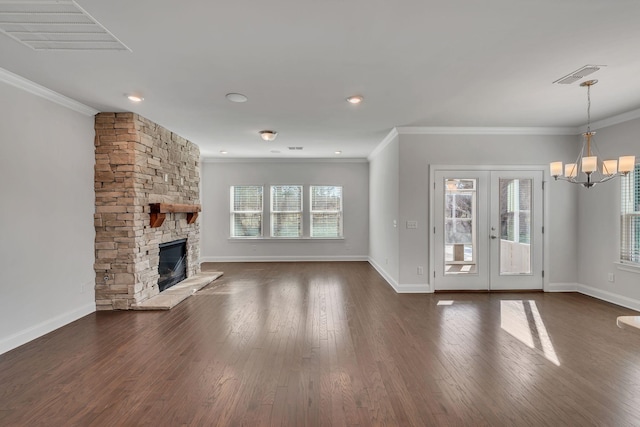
(578, 74)
(55, 25)
(295, 148)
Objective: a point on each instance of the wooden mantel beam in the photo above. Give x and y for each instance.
(159, 210)
(174, 208)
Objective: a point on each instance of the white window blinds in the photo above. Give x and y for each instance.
(246, 211)
(630, 217)
(326, 211)
(286, 211)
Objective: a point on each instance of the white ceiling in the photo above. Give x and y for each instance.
(456, 63)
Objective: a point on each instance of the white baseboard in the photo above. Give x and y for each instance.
(400, 288)
(384, 274)
(621, 300)
(562, 287)
(36, 331)
(418, 288)
(282, 258)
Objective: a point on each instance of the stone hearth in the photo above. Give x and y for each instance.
(138, 163)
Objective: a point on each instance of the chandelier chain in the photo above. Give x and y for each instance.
(589, 108)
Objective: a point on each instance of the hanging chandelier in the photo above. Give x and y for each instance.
(592, 170)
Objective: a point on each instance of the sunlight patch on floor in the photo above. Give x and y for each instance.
(522, 320)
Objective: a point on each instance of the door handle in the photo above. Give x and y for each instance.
(493, 237)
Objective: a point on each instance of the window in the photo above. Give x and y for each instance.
(246, 211)
(326, 211)
(288, 216)
(630, 217)
(515, 210)
(460, 221)
(286, 211)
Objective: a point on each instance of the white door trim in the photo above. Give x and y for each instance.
(433, 168)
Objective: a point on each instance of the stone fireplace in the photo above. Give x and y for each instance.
(140, 164)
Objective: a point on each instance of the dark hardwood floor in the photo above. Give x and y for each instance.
(331, 344)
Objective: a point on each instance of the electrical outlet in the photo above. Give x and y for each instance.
(612, 277)
(420, 270)
(412, 224)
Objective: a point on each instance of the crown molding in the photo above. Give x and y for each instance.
(445, 130)
(613, 120)
(41, 91)
(386, 141)
(205, 159)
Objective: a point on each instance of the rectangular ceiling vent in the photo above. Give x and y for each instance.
(296, 148)
(578, 74)
(55, 25)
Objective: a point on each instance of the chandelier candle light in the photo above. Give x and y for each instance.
(588, 158)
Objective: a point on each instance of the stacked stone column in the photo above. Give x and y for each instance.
(137, 163)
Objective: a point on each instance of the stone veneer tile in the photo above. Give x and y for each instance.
(133, 157)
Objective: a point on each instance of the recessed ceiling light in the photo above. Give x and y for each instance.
(236, 97)
(223, 151)
(268, 135)
(135, 98)
(338, 152)
(355, 99)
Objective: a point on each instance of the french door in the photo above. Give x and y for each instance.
(487, 227)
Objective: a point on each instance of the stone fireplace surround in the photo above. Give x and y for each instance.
(138, 163)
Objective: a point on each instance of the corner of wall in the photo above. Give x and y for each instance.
(386, 276)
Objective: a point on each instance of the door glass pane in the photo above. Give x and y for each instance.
(515, 226)
(460, 226)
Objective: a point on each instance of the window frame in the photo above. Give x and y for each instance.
(629, 253)
(338, 211)
(233, 212)
(273, 212)
(266, 214)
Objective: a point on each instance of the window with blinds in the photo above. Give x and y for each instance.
(515, 210)
(326, 211)
(630, 217)
(246, 211)
(286, 211)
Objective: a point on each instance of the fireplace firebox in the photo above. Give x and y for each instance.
(173, 263)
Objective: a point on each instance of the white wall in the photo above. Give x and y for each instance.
(599, 225)
(383, 211)
(46, 220)
(417, 152)
(218, 176)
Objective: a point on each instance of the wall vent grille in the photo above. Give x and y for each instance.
(55, 25)
(579, 74)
